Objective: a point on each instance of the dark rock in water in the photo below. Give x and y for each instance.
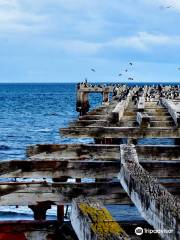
(4, 147)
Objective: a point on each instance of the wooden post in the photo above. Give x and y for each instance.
(132, 141)
(60, 213)
(177, 141)
(105, 97)
(40, 210)
(78, 180)
(82, 103)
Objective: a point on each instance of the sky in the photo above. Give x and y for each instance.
(61, 40)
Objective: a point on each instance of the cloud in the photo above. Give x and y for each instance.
(15, 18)
(144, 41)
(175, 4)
(141, 42)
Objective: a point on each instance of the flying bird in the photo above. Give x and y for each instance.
(130, 78)
(169, 6)
(165, 7)
(93, 70)
(126, 70)
(179, 68)
(130, 63)
(120, 74)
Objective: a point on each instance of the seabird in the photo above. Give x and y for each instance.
(165, 7)
(93, 70)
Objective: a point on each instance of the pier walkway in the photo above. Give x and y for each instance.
(134, 160)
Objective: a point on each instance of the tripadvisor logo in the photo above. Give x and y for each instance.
(138, 231)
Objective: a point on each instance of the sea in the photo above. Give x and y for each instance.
(34, 113)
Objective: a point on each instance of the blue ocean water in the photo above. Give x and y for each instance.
(33, 113)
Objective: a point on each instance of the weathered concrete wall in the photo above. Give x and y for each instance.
(141, 104)
(118, 112)
(92, 221)
(173, 109)
(154, 202)
(143, 119)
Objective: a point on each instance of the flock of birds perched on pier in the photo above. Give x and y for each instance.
(154, 92)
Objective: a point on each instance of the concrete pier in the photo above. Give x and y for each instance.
(145, 174)
(154, 202)
(92, 221)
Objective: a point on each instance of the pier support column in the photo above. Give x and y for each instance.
(82, 103)
(40, 210)
(132, 141)
(60, 213)
(177, 141)
(78, 180)
(105, 97)
(62, 179)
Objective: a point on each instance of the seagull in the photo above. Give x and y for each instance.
(169, 6)
(165, 7)
(93, 70)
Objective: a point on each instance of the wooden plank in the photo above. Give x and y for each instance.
(162, 169)
(173, 109)
(120, 132)
(158, 152)
(52, 168)
(59, 168)
(104, 152)
(83, 123)
(45, 229)
(27, 226)
(154, 202)
(96, 89)
(31, 193)
(143, 119)
(19, 226)
(91, 220)
(93, 117)
(71, 151)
